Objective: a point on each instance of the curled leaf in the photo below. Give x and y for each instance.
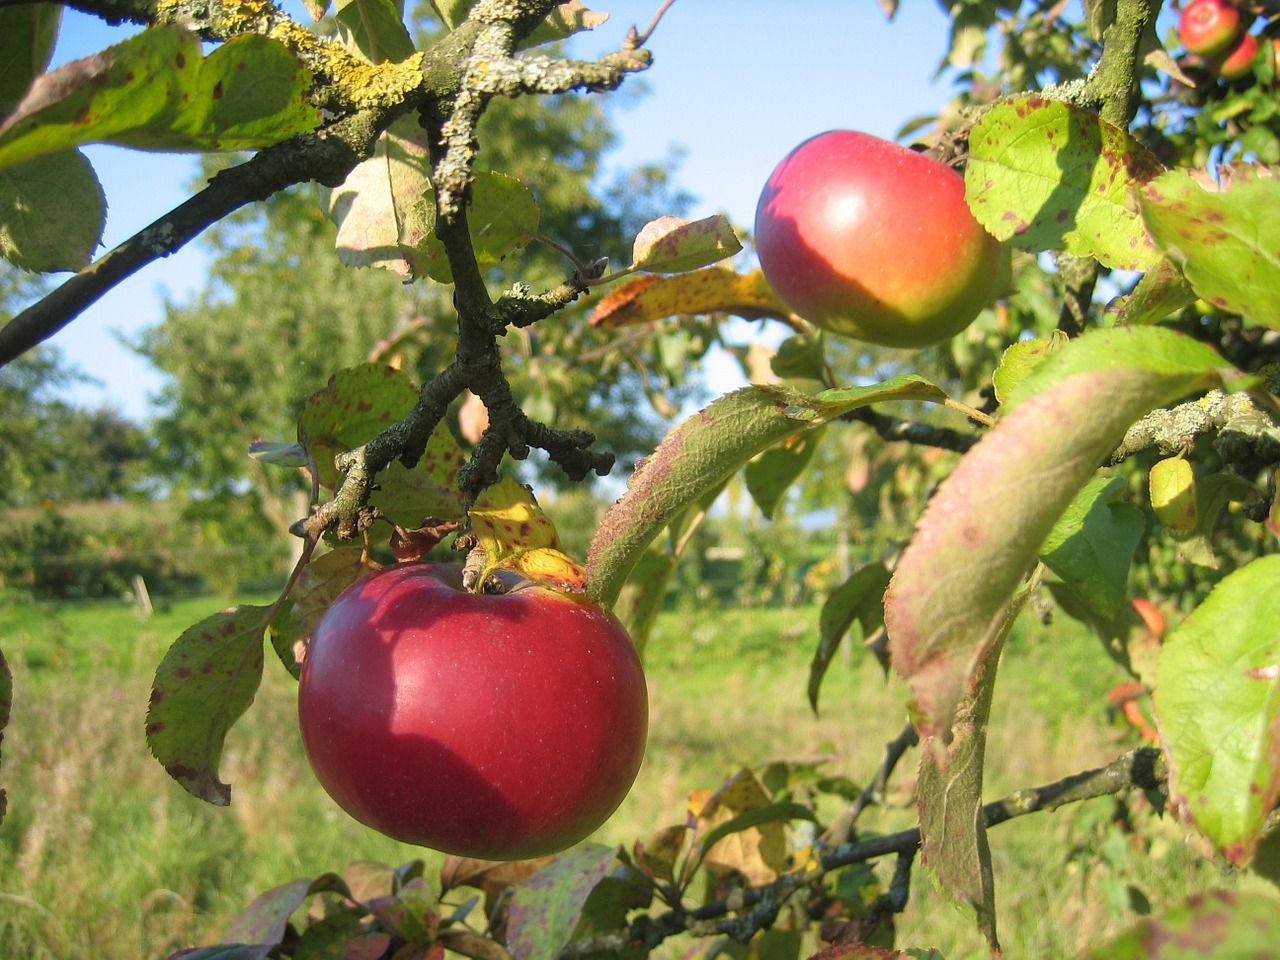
(517, 535)
(674, 245)
(710, 290)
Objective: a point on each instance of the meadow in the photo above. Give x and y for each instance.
(102, 855)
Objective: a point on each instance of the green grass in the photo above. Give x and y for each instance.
(102, 855)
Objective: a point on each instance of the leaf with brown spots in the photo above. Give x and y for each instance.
(712, 290)
(356, 405)
(517, 535)
(1046, 175)
(155, 91)
(205, 682)
(1225, 237)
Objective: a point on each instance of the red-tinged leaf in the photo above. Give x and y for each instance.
(1046, 175)
(491, 876)
(1222, 924)
(546, 906)
(411, 913)
(516, 534)
(673, 245)
(980, 532)
(704, 451)
(203, 685)
(72, 209)
(860, 599)
(1225, 235)
(265, 919)
(953, 827)
(1217, 703)
(712, 290)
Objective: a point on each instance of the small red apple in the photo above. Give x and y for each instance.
(1207, 27)
(494, 726)
(873, 241)
(1237, 61)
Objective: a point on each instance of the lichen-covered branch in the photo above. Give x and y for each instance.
(1248, 438)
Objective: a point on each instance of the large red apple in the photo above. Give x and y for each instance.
(495, 726)
(873, 241)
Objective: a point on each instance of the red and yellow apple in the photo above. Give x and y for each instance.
(873, 241)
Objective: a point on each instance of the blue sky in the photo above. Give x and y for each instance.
(735, 85)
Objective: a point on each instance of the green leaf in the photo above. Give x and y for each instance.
(205, 682)
(1017, 362)
(52, 212)
(28, 33)
(1046, 175)
(1161, 291)
(800, 358)
(982, 529)
(546, 906)
(1222, 924)
(770, 474)
(452, 12)
(1161, 352)
(1092, 544)
(1216, 699)
(386, 211)
(375, 28)
(673, 245)
(704, 451)
(860, 599)
(154, 91)
(408, 496)
(1226, 239)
